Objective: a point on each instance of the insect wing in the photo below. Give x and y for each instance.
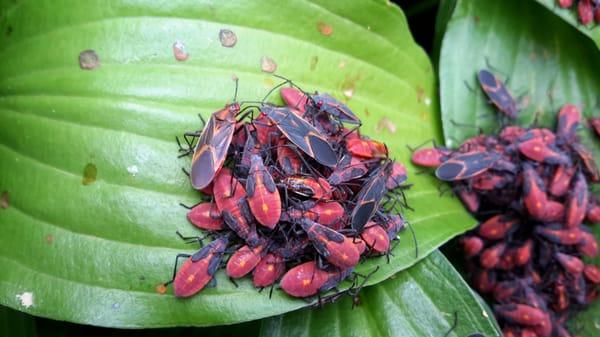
(466, 165)
(303, 135)
(336, 108)
(210, 151)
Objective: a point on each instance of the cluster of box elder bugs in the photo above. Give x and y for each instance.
(587, 10)
(530, 189)
(295, 195)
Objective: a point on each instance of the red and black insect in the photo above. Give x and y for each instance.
(325, 103)
(288, 158)
(497, 227)
(269, 270)
(472, 245)
(569, 119)
(498, 93)
(198, 270)
(327, 213)
(206, 216)
(295, 98)
(376, 238)
(367, 148)
(213, 143)
(331, 245)
(348, 168)
(587, 161)
(369, 197)
(300, 132)
(595, 124)
(243, 261)
(309, 187)
(538, 150)
(559, 235)
(429, 157)
(588, 245)
(520, 313)
(263, 196)
(577, 202)
(466, 165)
(230, 197)
(308, 279)
(534, 192)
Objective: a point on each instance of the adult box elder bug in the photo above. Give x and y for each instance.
(497, 93)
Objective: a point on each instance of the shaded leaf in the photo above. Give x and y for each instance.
(570, 16)
(420, 301)
(16, 324)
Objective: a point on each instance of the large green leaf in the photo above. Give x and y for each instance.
(570, 15)
(547, 60)
(91, 249)
(406, 305)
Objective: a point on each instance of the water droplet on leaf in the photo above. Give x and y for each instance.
(267, 64)
(227, 37)
(88, 60)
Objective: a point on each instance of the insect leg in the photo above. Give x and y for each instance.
(175, 267)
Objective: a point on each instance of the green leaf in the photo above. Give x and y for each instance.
(444, 13)
(420, 301)
(88, 157)
(570, 15)
(548, 62)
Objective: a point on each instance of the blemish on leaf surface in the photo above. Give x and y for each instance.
(26, 299)
(4, 200)
(313, 62)
(133, 170)
(161, 289)
(324, 28)
(179, 51)
(385, 124)
(90, 172)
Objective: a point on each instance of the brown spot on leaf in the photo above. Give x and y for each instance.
(324, 28)
(420, 94)
(49, 239)
(179, 51)
(524, 102)
(4, 200)
(267, 64)
(367, 112)
(161, 288)
(342, 64)
(349, 86)
(546, 54)
(313, 62)
(533, 56)
(88, 60)
(476, 19)
(90, 172)
(227, 37)
(385, 124)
